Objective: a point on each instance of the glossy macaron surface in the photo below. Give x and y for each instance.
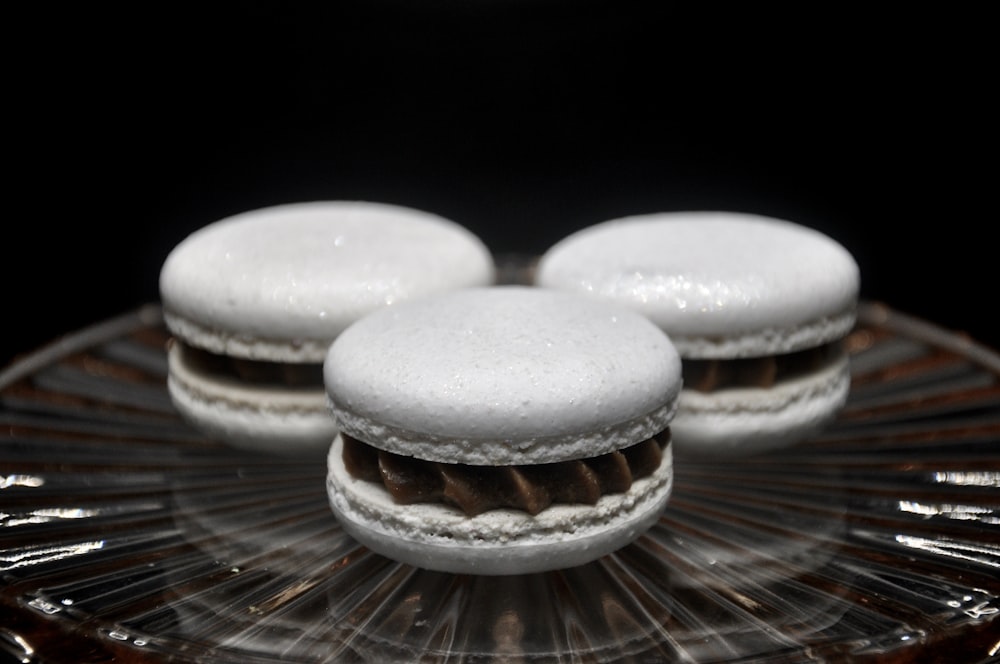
(281, 282)
(503, 375)
(722, 284)
(253, 302)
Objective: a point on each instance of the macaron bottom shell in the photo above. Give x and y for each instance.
(499, 542)
(263, 419)
(752, 420)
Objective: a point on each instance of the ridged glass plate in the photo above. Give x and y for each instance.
(126, 535)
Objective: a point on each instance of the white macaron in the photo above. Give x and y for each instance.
(254, 301)
(757, 308)
(501, 430)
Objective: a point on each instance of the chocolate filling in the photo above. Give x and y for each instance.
(709, 375)
(531, 488)
(259, 372)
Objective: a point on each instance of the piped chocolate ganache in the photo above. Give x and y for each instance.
(531, 488)
(710, 375)
(258, 372)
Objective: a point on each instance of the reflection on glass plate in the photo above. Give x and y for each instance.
(123, 533)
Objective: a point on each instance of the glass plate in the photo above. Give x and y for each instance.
(128, 536)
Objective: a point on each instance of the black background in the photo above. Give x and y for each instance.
(523, 120)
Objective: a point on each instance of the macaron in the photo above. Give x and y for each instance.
(757, 308)
(253, 302)
(501, 430)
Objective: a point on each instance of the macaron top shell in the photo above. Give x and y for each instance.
(721, 284)
(502, 375)
(280, 283)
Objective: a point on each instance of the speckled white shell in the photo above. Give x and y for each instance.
(722, 284)
(503, 375)
(280, 283)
